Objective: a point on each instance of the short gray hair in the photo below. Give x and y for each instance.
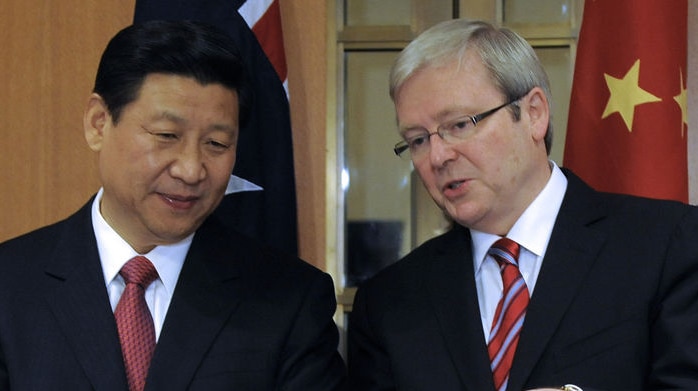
(513, 65)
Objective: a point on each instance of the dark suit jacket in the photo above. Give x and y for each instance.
(241, 318)
(615, 307)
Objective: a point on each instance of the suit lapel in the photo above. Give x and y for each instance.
(571, 253)
(77, 295)
(205, 297)
(450, 281)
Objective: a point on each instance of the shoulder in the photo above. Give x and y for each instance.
(26, 259)
(38, 245)
(221, 246)
(641, 214)
(408, 273)
(583, 202)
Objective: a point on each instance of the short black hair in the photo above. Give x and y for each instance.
(183, 48)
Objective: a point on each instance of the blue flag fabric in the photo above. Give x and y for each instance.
(265, 147)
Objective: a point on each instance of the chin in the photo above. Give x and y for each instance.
(174, 233)
(464, 215)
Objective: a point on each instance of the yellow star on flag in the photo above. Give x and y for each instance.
(681, 99)
(626, 94)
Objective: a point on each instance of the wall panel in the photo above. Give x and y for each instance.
(50, 54)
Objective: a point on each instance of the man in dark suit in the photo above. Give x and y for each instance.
(226, 312)
(542, 281)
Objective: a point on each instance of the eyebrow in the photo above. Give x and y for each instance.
(441, 116)
(413, 128)
(452, 112)
(170, 116)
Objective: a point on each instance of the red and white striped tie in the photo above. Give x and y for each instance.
(510, 313)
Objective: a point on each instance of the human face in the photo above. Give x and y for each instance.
(486, 181)
(166, 164)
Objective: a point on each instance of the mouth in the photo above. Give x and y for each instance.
(179, 201)
(454, 185)
(456, 189)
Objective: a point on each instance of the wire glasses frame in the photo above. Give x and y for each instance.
(455, 131)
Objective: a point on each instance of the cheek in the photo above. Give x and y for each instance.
(131, 150)
(428, 179)
(495, 148)
(424, 172)
(220, 169)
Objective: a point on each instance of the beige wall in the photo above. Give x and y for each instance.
(305, 38)
(49, 57)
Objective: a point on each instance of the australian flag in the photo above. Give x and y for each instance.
(262, 204)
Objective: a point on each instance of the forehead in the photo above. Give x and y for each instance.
(154, 82)
(433, 92)
(163, 92)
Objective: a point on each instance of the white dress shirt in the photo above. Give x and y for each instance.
(114, 252)
(532, 232)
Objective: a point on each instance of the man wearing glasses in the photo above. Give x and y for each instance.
(542, 282)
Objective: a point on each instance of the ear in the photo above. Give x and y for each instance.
(94, 121)
(538, 112)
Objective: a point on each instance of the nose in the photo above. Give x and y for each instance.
(188, 165)
(440, 152)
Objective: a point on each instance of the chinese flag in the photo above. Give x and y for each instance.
(627, 122)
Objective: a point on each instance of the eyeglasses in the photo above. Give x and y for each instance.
(451, 132)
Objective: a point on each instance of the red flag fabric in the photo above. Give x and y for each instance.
(264, 18)
(628, 115)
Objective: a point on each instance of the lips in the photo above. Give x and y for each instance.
(454, 189)
(179, 201)
(454, 185)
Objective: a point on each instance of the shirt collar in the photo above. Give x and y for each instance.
(114, 251)
(533, 229)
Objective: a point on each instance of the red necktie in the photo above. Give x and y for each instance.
(510, 313)
(134, 322)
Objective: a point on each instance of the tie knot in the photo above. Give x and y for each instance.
(505, 251)
(139, 270)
